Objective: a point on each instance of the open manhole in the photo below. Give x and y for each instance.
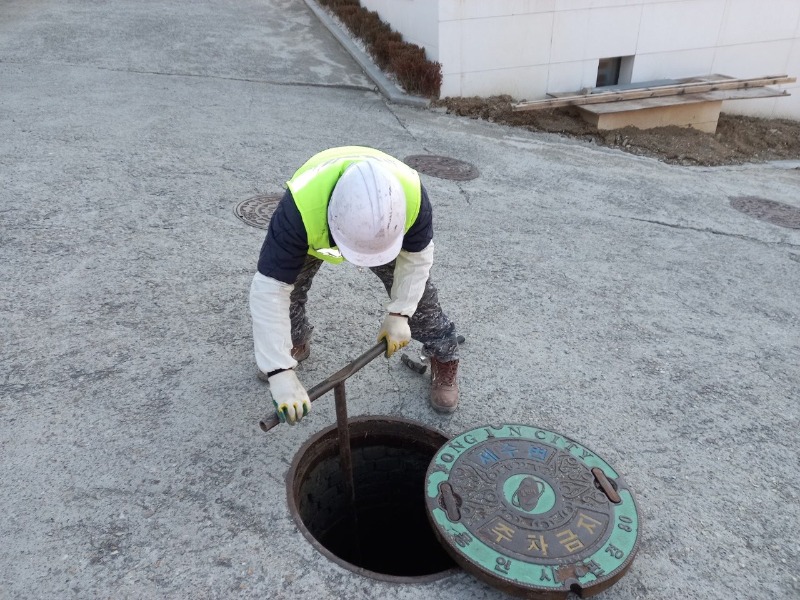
(387, 536)
(443, 167)
(257, 211)
(526, 510)
(770, 211)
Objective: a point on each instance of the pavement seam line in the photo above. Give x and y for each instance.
(464, 193)
(709, 230)
(400, 122)
(344, 86)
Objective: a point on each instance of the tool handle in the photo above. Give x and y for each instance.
(323, 387)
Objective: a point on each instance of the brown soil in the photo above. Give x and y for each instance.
(738, 139)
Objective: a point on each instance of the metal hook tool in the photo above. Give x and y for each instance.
(336, 383)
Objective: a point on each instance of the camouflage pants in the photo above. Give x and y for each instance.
(429, 325)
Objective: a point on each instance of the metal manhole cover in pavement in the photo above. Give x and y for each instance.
(532, 512)
(443, 167)
(770, 211)
(257, 211)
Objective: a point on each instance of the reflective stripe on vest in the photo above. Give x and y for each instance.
(313, 183)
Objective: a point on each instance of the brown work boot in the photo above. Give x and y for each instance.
(299, 353)
(444, 386)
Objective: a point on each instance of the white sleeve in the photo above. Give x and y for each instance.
(411, 271)
(272, 328)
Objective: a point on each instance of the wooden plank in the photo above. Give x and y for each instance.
(653, 83)
(623, 87)
(653, 92)
(643, 103)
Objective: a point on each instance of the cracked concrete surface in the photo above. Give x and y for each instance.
(710, 230)
(617, 300)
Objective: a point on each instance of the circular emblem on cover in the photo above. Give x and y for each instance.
(531, 511)
(257, 211)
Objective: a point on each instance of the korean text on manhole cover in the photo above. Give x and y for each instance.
(257, 211)
(443, 167)
(529, 510)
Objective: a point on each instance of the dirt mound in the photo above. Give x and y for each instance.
(738, 139)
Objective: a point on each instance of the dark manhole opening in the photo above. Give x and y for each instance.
(257, 211)
(393, 540)
(770, 211)
(443, 167)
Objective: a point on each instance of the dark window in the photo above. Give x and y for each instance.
(608, 71)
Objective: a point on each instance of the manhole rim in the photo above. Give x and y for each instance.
(270, 198)
(458, 170)
(356, 423)
(767, 210)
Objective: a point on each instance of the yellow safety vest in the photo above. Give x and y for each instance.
(313, 183)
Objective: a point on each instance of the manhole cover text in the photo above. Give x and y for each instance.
(531, 510)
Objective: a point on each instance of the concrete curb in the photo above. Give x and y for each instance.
(384, 84)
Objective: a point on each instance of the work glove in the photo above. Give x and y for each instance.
(289, 397)
(396, 332)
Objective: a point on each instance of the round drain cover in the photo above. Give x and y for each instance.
(532, 512)
(443, 167)
(257, 211)
(770, 211)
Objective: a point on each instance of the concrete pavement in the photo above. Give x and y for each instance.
(615, 299)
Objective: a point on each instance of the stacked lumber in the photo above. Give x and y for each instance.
(684, 87)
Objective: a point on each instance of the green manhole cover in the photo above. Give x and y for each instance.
(531, 511)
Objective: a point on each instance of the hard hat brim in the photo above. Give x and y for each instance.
(372, 260)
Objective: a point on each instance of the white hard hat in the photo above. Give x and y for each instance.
(367, 214)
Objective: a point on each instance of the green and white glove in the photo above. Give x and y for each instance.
(289, 397)
(396, 332)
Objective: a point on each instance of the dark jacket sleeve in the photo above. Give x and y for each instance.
(420, 234)
(286, 246)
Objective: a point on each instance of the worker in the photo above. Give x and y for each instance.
(360, 205)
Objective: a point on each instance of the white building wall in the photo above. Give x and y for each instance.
(416, 20)
(527, 48)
